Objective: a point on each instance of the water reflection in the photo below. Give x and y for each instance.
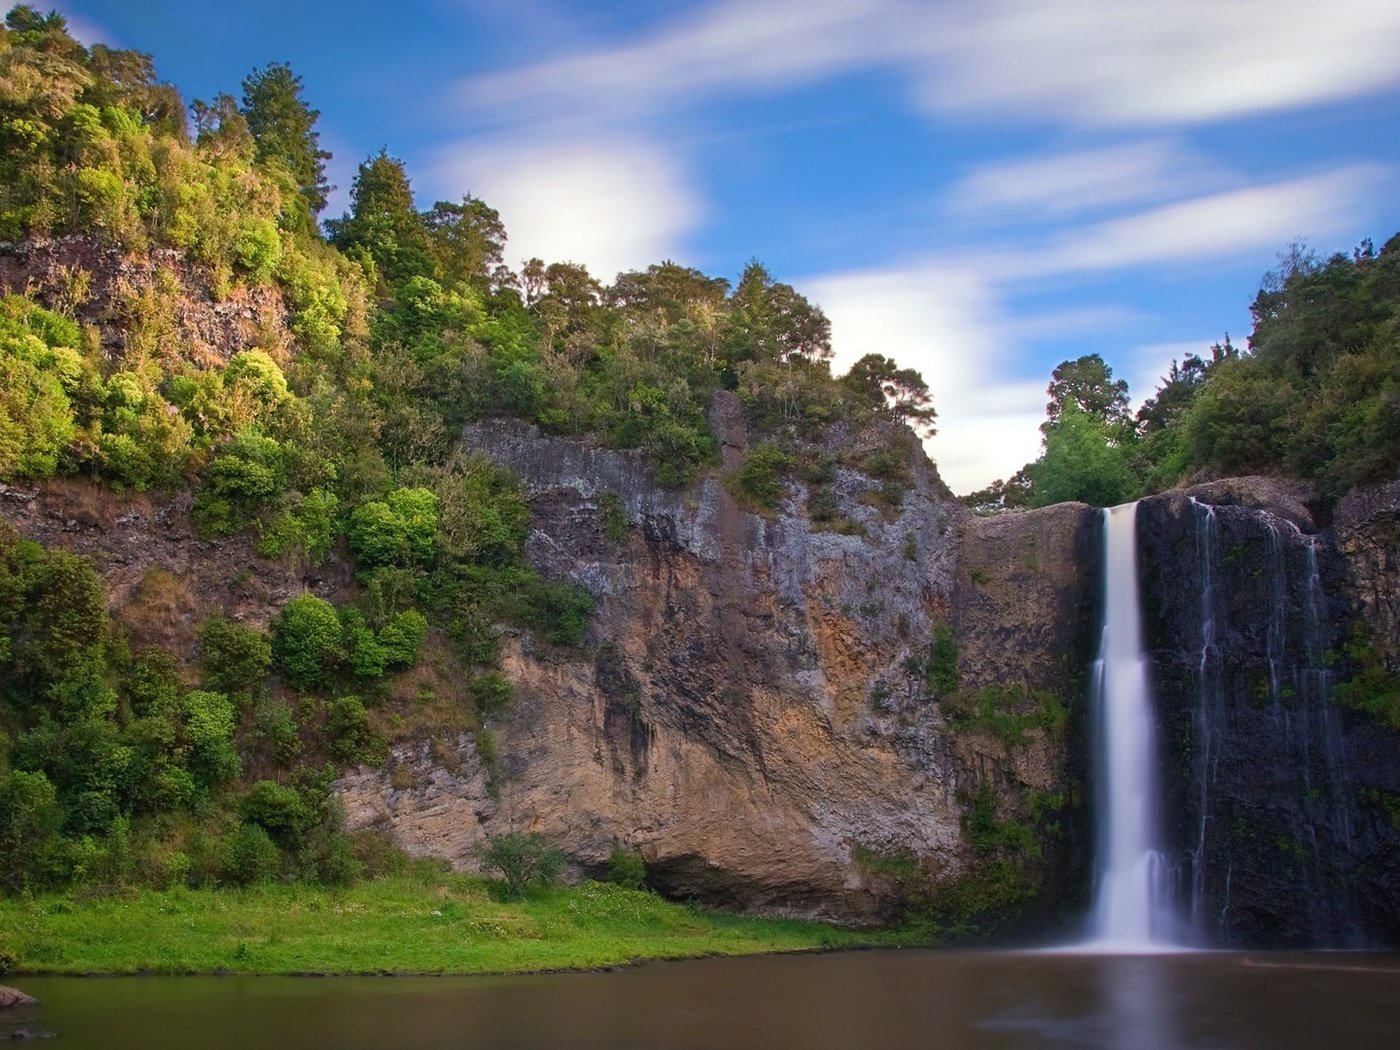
(893, 1000)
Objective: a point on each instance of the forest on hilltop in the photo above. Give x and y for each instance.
(1315, 394)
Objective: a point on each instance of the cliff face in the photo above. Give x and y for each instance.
(102, 286)
(751, 713)
(1279, 796)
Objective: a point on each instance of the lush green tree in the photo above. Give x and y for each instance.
(523, 860)
(899, 392)
(769, 320)
(285, 139)
(467, 243)
(1081, 463)
(236, 658)
(308, 640)
(382, 224)
(30, 818)
(1088, 384)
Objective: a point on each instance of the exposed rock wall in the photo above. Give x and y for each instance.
(162, 580)
(750, 712)
(1275, 791)
(103, 286)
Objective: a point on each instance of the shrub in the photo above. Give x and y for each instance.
(250, 856)
(491, 692)
(347, 723)
(402, 638)
(235, 658)
(280, 810)
(941, 673)
(401, 530)
(627, 868)
(276, 725)
(523, 860)
(209, 729)
(29, 822)
(307, 640)
(761, 476)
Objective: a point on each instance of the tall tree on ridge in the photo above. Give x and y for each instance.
(284, 131)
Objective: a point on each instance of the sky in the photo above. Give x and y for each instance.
(978, 188)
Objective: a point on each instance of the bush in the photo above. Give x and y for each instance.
(627, 868)
(235, 658)
(29, 822)
(761, 476)
(491, 692)
(307, 640)
(522, 860)
(249, 856)
(276, 725)
(209, 729)
(402, 638)
(401, 530)
(282, 811)
(352, 739)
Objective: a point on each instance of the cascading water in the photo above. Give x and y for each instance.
(1132, 909)
(1263, 693)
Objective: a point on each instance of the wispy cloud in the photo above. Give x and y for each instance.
(1207, 227)
(740, 44)
(1065, 184)
(1153, 62)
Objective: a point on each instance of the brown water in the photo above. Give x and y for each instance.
(890, 1000)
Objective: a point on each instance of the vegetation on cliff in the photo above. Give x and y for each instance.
(331, 440)
(1314, 394)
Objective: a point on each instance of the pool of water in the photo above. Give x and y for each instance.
(885, 999)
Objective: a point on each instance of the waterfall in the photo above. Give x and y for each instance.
(1132, 908)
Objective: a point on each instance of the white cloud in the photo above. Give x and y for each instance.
(722, 47)
(943, 321)
(1145, 367)
(1062, 184)
(612, 205)
(1161, 61)
(1150, 62)
(1207, 227)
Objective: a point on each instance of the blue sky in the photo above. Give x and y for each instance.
(979, 188)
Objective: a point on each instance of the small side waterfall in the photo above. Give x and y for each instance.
(1263, 693)
(1133, 910)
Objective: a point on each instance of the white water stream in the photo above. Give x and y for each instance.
(1132, 909)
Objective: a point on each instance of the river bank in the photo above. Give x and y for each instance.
(453, 925)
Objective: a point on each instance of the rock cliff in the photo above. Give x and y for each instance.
(1280, 798)
(751, 712)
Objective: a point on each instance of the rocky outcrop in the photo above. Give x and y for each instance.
(1277, 794)
(12, 997)
(743, 713)
(102, 285)
(751, 711)
(1366, 528)
(162, 580)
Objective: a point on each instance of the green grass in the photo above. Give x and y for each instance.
(395, 925)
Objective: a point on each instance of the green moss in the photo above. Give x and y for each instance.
(1008, 712)
(1371, 686)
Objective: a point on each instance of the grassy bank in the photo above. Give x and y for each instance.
(395, 925)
